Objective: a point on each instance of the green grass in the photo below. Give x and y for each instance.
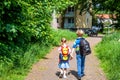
(108, 51)
(19, 67)
(108, 30)
(69, 35)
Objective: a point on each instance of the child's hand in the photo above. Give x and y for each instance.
(71, 57)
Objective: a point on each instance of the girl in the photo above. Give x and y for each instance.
(64, 55)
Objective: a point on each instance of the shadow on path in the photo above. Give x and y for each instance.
(74, 73)
(57, 73)
(49, 66)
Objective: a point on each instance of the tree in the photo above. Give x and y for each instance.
(100, 6)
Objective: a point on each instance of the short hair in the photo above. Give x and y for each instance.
(79, 33)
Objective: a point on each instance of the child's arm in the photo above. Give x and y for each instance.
(73, 49)
(69, 50)
(59, 49)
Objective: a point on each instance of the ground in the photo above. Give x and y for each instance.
(47, 68)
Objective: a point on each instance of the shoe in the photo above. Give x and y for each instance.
(79, 78)
(61, 76)
(83, 75)
(64, 76)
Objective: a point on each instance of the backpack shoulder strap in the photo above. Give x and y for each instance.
(81, 41)
(64, 47)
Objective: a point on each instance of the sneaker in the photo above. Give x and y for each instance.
(79, 78)
(64, 76)
(61, 75)
(83, 75)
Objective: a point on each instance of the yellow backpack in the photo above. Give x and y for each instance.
(65, 53)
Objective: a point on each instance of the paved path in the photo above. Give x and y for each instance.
(47, 69)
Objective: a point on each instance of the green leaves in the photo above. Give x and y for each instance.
(23, 22)
(108, 52)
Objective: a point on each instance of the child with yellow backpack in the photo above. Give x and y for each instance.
(64, 56)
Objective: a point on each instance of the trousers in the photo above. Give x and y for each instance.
(80, 64)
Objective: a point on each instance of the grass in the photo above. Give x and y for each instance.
(109, 53)
(69, 35)
(108, 30)
(18, 68)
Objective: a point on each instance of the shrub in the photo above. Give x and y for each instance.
(108, 52)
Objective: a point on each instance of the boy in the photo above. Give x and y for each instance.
(79, 57)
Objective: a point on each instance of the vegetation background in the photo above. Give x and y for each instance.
(26, 34)
(109, 53)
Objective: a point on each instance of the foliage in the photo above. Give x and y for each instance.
(103, 7)
(100, 7)
(85, 6)
(108, 52)
(17, 66)
(24, 30)
(62, 33)
(107, 5)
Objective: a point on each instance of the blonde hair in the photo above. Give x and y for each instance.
(63, 40)
(79, 33)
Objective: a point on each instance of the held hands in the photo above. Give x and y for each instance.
(71, 57)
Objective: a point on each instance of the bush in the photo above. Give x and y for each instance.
(24, 30)
(108, 52)
(59, 34)
(20, 58)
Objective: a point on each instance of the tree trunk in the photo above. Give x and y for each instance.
(63, 18)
